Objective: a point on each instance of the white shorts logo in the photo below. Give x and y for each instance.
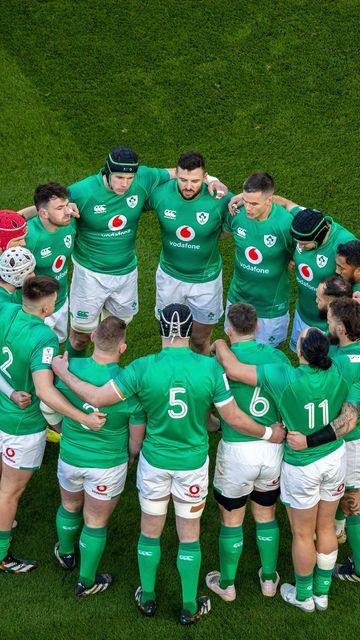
(185, 233)
(58, 264)
(117, 222)
(68, 241)
(269, 240)
(132, 201)
(202, 217)
(306, 272)
(47, 355)
(321, 261)
(253, 255)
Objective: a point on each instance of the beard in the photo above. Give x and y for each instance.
(334, 339)
(322, 314)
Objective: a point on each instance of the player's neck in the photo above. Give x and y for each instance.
(266, 213)
(8, 287)
(178, 342)
(326, 237)
(102, 357)
(344, 341)
(236, 339)
(32, 311)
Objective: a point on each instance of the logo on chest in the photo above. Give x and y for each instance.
(132, 201)
(185, 233)
(270, 240)
(306, 272)
(117, 222)
(46, 252)
(68, 241)
(253, 255)
(202, 217)
(58, 264)
(321, 261)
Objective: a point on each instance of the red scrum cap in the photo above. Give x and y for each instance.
(12, 226)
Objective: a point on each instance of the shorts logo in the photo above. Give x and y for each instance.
(132, 201)
(170, 213)
(58, 264)
(9, 452)
(101, 488)
(68, 241)
(117, 222)
(202, 217)
(194, 489)
(185, 233)
(45, 252)
(340, 488)
(47, 355)
(306, 272)
(270, 240)
(321, 261)
(83, 315)
(241, 232)
(253, 255)
(133, 306)
(100, 208)
(211, 316)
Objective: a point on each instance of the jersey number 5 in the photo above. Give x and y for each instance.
(177, 402)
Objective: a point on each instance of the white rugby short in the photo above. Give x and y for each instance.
(272, 331)
(298, 326)
(102, 484)
(58, 322)
(352, 477)
(203, 298)
(303, 487)
(24, 452)
(243, 466)
(154, 483)
(90, 292)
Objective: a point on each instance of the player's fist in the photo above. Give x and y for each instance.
(235, 203)
(217, 189)
(356, 296)
(60, 365)
(278, 433)
(296, 440)
(21, 398)
(74, 210)
(95, 420)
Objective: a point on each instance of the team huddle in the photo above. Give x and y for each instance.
(286, 431)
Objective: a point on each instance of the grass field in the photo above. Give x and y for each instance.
(270, 85)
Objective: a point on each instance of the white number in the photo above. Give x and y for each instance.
(176, 402)
(8, 362)
(310, 407)
(86, 405)
(258, 400)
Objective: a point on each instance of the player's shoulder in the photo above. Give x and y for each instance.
(81, 186)
(341, 234)
(275, 356)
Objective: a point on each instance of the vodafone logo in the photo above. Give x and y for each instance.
(117, 222)
(58, 263)
(185, 233)
(253, 255)
(10, 452)
(194, 489)
(306, 272)
(101, 488)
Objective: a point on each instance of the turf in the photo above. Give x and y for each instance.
(270, 85)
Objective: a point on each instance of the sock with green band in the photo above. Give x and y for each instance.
(353, 531)
(322, 581)
(74, 353)
(230, 550)
(5, 539)
(188, 564)
(339, 520)
(304, 587)
(68, 526)
(149, 553)
(92, 544)
(267, 540)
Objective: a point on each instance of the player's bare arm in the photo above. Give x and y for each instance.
(45, 390)
(21, 398)
(234, 204)
(243, 423)
(343, 424)
(284, 202)
(31, 212)
(136, 437)
(234, 369)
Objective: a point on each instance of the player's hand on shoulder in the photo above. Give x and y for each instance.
(216, 345)
(217, 189)
(235, 203)
(60, 364)
(95, 420)
(291, 265)
(296, 440)
(74, 210)
(278, 433)
(21, 398)
(356, 296)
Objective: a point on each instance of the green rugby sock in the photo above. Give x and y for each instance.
(230, 550)
(339, 515)
(149, 554)
(188, 564)
(267, 540)
(5, 539)
(322, 581)
(92, 545)
(68, 526)
(353, 532)
(304, 587)
(74, 353)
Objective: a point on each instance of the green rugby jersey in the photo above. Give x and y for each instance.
(26, 345)
(82, 447)
(256, 402)
(311, 267)
(176, 388)
(5, 296)
(350, 350)
(308, 399)
(189, 231)
(356, 287)
(106, 229)
(263, 249)
(52, 251)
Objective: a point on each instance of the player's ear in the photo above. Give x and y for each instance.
(257, 325)
(228, 331)
(123, 348)
(93, 336)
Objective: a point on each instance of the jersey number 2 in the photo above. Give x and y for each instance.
(4, 367)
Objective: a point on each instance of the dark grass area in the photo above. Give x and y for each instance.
(265, 85)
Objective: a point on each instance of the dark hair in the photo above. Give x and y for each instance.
(39, 287)
(314, 346)
(242, 317)
(109, 333)
(337, 287)
(45, 192)
(351, 252)
(347, 311)
(259, 181)
(191, 160)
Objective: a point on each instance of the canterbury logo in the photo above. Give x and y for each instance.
(237, 545)
(189, 558)
(144, 553)
(265, 538)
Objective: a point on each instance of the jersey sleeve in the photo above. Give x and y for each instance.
(273, 378)
(138, 415)
(228, 222)
(295, 210)
(44, 352)
(152, 178)
(127, 383)
(222, 393)
(354, 394)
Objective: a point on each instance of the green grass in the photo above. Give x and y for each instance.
(270, 85)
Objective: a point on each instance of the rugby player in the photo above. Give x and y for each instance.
(93, 465)
(348, 264)
(13, 230)
(247, 467)
(312, 480)
(190, 269)
(328, 290)
(176, 388)
(263, 250)
(27, 346)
